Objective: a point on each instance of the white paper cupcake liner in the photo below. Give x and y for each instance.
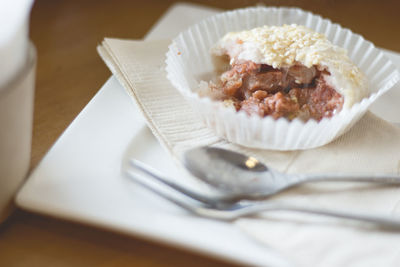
(189, 58)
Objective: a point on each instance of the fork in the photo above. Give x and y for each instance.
(230, 208)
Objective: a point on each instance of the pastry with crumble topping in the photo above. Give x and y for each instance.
(286, 71)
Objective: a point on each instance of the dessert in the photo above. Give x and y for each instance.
(274, 50)
(285, 71)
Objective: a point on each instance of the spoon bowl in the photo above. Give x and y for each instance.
(233, 172)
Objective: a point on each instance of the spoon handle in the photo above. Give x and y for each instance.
(345, 177)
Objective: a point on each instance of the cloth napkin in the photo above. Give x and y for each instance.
(372, 145)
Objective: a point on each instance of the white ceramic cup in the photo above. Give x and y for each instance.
(14, 40)
(16, 114)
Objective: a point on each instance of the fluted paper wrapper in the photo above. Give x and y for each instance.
(189, 61)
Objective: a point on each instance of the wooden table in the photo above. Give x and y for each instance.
(69, 74)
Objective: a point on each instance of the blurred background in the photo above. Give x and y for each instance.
(70, 72)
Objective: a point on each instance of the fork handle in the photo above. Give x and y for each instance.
(383, 221)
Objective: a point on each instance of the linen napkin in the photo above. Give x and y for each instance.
(372, 145)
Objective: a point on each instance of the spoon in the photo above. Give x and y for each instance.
(246, 176)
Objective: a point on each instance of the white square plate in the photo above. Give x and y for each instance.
(80, 178)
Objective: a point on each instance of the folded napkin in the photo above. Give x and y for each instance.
(372, 145)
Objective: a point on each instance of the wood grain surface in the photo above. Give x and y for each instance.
(69, 74)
